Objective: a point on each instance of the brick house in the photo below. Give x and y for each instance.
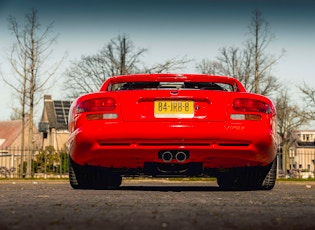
(54, 123)
(10, 144)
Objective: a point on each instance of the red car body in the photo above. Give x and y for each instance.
(172, 125)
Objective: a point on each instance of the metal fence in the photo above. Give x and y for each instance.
(33, 163)
(298, 163)
(51, 163)
(302, 163)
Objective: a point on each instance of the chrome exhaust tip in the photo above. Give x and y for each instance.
(181, 156)
(167, 156)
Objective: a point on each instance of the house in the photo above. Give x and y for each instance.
(302, 154)
(54, 123)
(11, 145)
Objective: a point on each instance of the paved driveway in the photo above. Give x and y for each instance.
(155, 204)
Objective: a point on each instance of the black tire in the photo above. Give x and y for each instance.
(271, 177)
(75, 172)
(88, 177)
(249, 178)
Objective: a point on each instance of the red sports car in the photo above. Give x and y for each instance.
(173, 125)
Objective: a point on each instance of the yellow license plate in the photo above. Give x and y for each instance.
(173, 109)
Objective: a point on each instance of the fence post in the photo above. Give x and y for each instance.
(45, 164)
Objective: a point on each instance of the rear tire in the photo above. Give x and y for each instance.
(271, 177)
(73, 178)
(249, 178)
(92, 177)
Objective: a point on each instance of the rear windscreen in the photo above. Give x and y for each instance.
(171, 85)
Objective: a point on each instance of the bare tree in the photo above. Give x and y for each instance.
(28, 59)
(259, 41)
(251, 65)
(170, 65)
(289, 117)
(118, 57)
(209, 67)
(84, 76)
(309, 99)
(18, 60)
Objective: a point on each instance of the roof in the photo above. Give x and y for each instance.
(9, 131)
(168, 77)
(55, 114)
(301, 142)
(305, 144)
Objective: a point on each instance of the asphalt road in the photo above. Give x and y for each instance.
(155, 204)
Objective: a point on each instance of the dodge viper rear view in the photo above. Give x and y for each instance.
(167, 125)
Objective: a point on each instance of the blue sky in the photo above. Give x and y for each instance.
(168, 29)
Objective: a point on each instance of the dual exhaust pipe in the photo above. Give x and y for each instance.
(179, 156)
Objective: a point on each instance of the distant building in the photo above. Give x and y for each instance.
(11, 134)
(302, 154)
(54, 123)
(11, 145)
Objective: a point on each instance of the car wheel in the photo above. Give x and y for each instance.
(249, 178)
(271, 176)
(75, 175)
(258, 178)
(262, 177)
(88, 177)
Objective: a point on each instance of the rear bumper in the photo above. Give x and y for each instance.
(131, 145)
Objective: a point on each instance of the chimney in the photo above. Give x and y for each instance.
(47, 97)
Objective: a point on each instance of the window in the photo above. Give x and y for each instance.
(307, 137)
(171, 85)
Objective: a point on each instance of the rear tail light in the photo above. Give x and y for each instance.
(251, 105)
(96, 105)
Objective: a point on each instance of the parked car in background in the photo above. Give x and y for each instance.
(172, 125)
